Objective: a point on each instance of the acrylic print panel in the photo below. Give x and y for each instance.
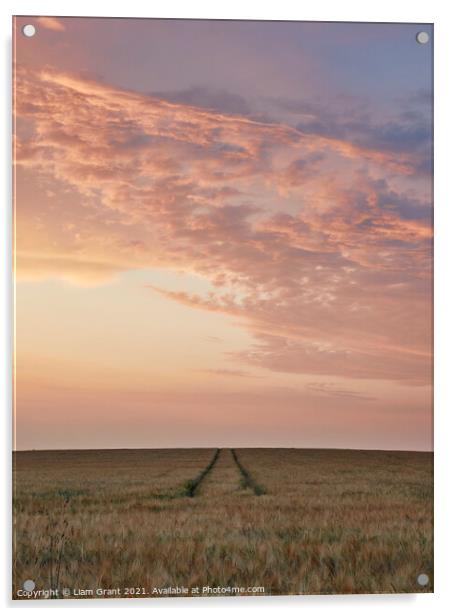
(223, 279)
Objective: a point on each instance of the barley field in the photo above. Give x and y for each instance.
(201, 522)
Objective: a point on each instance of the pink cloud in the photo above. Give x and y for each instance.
(51, 23)
(306, 239)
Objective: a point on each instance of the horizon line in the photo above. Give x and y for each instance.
(223, 447)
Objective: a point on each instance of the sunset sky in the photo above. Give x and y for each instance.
(223, 234)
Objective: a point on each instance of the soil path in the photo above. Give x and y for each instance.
(224, 477)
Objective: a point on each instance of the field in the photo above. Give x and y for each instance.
(244, 521)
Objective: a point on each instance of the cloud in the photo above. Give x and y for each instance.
(229, 373)
(330, 389)
(51, 23)
(403, 140)
(81, 272)
(324, 357)
(309, 237)
(213, 99)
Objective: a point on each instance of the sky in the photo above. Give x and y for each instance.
(223, 234)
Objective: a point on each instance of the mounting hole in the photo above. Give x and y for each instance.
(422, 37)
(28, 585)
(28, 30)
(423, 579)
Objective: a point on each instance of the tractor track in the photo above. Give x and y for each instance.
(247, 477)
(192, 485)
(224, 475)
